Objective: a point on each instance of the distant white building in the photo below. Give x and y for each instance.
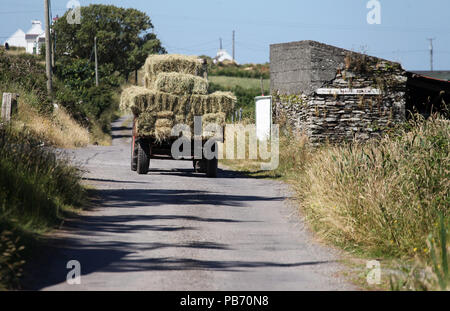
(32, 41)
(222, 55)
(17, 39)
(35, 38)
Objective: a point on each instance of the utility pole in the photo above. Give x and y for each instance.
(96, 61)
(48, 48)
(53, 49)
(431, 52)
(234, 45)
(54, 41)
(220, 40)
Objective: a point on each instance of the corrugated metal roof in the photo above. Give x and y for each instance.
(440, 75)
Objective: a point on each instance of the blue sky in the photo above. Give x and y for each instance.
(194, 27)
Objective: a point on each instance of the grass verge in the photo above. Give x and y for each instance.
(37, 189)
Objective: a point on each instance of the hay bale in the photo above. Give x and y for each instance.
(197, 102)
(180, 119)
(158, 111)
(179, 83)
(214, 118)
(148, 81)
(223, 101)
(163, 133)
(217, 119)
(218, 102)
(135, 99)
(162, 123)
(184, 104)
(140, 99)
(165, 115)
(156, 64)
(145, 124)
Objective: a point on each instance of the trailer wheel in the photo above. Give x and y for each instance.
(200, 166)
(134, 154)
(211, 168)
(143, 158)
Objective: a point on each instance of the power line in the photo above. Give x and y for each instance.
(293, 24)
(48, 50)
(234, 45)
(20, 12)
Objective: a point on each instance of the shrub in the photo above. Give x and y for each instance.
(36, 183)
(11, 261)
(97, 100)
(79, 74)
(24, 71)
(37, 187)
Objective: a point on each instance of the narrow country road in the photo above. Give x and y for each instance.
(176, 230)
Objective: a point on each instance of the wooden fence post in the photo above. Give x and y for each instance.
(9, 106)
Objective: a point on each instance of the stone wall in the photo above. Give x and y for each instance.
(335, 117)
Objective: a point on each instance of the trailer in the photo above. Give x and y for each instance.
(146, 148)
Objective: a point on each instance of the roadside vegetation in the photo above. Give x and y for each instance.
(386, 199)
(38, 186)
(230, 69)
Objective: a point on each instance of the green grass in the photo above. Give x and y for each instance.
(246, 83)
(37, 189)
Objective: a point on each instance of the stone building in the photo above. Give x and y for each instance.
(333, 94)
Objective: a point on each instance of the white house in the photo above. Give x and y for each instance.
(222, 55)
(17, 39)
(35, 37)
(31, 41)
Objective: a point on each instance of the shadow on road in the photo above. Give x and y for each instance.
(112, 181)
(117, 257)
(50, 268)
(129, 198)
(222, 173)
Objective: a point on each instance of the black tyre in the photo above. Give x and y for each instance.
(211, 168)
(200, 166)
(143, 158)
(134, 155)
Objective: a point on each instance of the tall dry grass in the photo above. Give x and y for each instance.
(430, 272)
(58, 129)
(383, 197)
(37, 188)
(380, 198)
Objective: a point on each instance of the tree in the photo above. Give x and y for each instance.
(123, 37)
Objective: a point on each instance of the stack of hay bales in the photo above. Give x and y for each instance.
(174, 93)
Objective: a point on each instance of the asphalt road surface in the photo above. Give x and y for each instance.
(176, 230)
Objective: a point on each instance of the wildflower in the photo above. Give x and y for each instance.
(415, 249)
